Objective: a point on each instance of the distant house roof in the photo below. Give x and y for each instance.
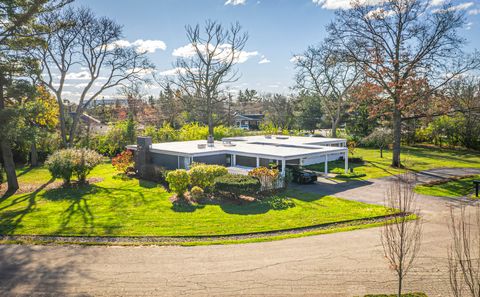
(108, 101)
(250, 117)
(87, 118)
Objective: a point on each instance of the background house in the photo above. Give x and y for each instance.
(248, 121)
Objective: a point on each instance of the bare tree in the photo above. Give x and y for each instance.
(214, 51)
(464, 253)
(134, 94)
(400, 236)
(79, 40)
(407, 48)
(322, 71)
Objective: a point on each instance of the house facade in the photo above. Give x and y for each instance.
(241, 154)
(248, 121)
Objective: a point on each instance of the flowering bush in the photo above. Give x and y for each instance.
(178, 181)
(203, 175)
(267, 177)
(68, 162)
(123, 162)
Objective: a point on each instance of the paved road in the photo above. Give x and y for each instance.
(341, 264)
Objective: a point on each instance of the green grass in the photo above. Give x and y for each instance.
(115, 207)
(414, 158)
(458, 188)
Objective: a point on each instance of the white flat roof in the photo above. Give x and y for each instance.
(256, 146)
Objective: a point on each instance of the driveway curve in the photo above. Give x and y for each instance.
(340, 264)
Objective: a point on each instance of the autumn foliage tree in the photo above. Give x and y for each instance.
(407, 49)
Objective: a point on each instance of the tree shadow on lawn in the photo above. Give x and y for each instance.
(453, 155)
(11, 219)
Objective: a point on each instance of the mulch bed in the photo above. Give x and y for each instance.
(172, 240)
(32, 187)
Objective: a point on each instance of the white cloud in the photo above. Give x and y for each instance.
(474, 12)
(264, 61)
(295, 58)
(147, 46)
(379, 14)
(80, 86)
(462, 6)
(235, 2)
(343, 4)
(172, 72)
(437, 2)
(82, 75)
(222, 52)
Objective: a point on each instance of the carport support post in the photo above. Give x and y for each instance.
(283, 167)
(258, 162)
(234, 160)
(326, 165)
(346, 162)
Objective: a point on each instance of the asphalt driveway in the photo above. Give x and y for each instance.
(341, 264)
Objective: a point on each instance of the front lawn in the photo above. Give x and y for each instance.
(414, 158)
(458, 188)
(116, 207)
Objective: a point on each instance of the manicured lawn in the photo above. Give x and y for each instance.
(458, 188)
(136, 208)
(414, 158)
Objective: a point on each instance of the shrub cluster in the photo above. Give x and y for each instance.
(178, 181)
(203, 176)
(197, 193)
(68, 162)
(237, 184)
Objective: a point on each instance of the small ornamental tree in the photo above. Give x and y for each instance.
(380, 138)
(178, 181)
(123, 161)
(267, 177)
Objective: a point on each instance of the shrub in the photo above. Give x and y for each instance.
(267, 177)
(178, 181)
(68, 162)
(197, 193)
(123, 162)
(203, 175)
(85, 160)
(237, 184)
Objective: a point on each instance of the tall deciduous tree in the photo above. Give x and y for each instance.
(18, 31)
(214, 50)
(78, 39)
(325, 72)
(407, 48)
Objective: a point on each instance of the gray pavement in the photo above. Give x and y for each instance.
(340, 264)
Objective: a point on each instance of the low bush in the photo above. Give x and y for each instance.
(203, 176)
(123, 162)
(60, 164)
(237, 184)
(85, 160)
(68, 162)
(178, 181)
(197, 193)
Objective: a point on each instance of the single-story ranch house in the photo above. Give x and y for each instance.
(241, 154)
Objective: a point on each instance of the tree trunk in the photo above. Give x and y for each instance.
(7, 155)
(33, 154)
(210, 124)
(381, 152)
(397, 137)
(334, 128)
(400, 283)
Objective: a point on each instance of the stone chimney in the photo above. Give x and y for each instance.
(142, 156)
(210, 141)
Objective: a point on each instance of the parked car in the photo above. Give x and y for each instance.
(302, 176)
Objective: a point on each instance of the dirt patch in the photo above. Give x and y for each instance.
(446, 180)
(50, 185)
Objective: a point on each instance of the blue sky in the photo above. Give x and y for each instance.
(277, 28)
